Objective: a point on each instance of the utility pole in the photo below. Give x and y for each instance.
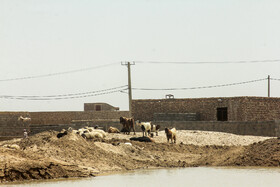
(268, 85)
(128, 64)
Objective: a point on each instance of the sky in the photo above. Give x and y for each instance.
(61, 49)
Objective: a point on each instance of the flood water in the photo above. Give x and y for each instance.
(185, 177)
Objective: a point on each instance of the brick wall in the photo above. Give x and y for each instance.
(47, 118)
(261, 108)
(9, 124)
(41, 121)
(103, 106)
(239, 108)
(175, 117)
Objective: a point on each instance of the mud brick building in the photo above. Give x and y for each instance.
(239, 115)
(99, 107)
(259, 116)
(242, 109)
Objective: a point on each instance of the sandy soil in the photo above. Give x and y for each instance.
(200, 138)
(44, 156)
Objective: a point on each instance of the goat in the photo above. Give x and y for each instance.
(127, 123)
(91, 135)
(145, 127)
(61, 134)
(91, 129)
(113, 130)
(82, 130)
(155, 128)
(102, 132)
(25, 133)
(142, 139)
(24, 120)
(170, 134)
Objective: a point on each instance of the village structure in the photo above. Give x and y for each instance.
(187, 132)
(239, 115)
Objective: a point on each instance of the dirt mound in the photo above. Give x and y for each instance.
(265, 153)
(44, 156)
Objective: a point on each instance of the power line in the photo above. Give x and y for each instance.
(143, 62)
(72, 94)
(208, 62)
(199, 87)
(274, 79)
(61, 98)
(120, 89)
(58, 73)
(68, 96)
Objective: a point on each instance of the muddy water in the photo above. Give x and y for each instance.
(191, 177)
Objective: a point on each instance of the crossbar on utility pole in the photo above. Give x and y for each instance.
(128, 64)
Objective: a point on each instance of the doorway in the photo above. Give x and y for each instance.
(222, 114)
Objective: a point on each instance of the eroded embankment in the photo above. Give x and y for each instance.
(44, 156)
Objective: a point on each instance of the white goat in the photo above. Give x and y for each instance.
(155, 128)
(145, 126)
(82, 130)
(24, 120)
(101, 132)
(91, 129)
(91, 135)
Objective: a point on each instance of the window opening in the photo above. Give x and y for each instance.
(97, 107)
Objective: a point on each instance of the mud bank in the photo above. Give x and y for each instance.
(44, 156)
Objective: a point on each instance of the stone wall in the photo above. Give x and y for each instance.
(239, 108)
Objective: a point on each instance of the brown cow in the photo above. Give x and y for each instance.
(127, 123)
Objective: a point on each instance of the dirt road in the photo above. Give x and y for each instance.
(44, 156)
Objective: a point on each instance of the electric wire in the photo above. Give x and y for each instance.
(207, 62)
(68, 96)
(274, 79)
(200, 87)
(58, 73)
(124, 88)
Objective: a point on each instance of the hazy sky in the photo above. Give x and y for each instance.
(46, 37)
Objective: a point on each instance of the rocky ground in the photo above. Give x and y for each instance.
(44, 156)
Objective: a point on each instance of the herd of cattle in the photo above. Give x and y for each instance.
(128, 125)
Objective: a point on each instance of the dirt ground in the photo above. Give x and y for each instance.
(44, 156)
